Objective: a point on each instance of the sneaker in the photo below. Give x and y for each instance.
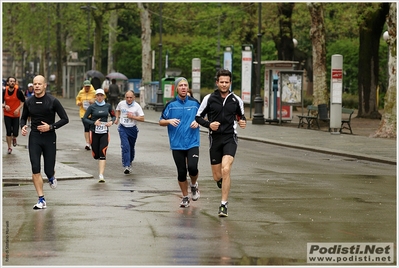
(185, 202)
(87, 148)
(14, 142)
(223, 210)
(101, 178)
(195, 194)
(127, 170)
(219, 183)
(52, 182)
(41, 204)
(9, 150)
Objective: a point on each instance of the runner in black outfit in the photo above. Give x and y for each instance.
(42, 108)
(224, 111)
(96, 116)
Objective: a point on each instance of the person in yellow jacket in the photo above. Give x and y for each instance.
(85, 98)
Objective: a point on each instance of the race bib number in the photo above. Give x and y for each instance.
(101, 129)
(86, 104)
(126, 120)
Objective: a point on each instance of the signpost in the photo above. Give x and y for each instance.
(246, 74)
(196, 76)
(336, 93)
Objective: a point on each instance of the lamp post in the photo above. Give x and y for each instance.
(218, 64)
(48, 89)
(159, 104)
(385, 36)
(88, 8)
(258, 115)
(295, 42)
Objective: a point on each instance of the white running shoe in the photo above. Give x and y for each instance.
(52, 182)
(195, 193)
(41, 204)
(185, 202)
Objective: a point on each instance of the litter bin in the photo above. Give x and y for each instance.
(151, 92)
(168, 89)
(134, 85)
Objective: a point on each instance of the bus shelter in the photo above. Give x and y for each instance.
(283, 90)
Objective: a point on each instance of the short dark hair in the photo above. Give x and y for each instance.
(223, 72)
(8, 79)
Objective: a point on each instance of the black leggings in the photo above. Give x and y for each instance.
(186, 160)
(42, 143)
(99, 145)
(12, 126)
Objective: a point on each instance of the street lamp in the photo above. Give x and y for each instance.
(88, 8)
(159, 104)
(258, 115)
(295, 42)
(218, 48)
(48, 89)
(385, 36)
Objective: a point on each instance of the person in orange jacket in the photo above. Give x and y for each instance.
(13, 101)
(85, 98)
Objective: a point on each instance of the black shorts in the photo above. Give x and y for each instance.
(221, 145)
(12, 126)
(86, 126)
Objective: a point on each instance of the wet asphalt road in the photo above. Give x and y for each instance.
(281, 199)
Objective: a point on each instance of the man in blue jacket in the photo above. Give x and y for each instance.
(184, 138)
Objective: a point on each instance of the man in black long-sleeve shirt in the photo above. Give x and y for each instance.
(42, 108)
(224, 110)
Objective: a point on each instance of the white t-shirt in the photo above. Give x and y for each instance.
(133, 108)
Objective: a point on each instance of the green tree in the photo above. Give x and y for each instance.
(388, 125)
(317, 34)
(371, 22)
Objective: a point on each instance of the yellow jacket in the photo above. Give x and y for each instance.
(84, 100)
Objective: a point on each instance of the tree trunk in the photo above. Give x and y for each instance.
(284, 44)
(369, 42)
(317, 35)
(387, 128)
(146, 65)
(112, 26)
(98, 30)
(60, 52)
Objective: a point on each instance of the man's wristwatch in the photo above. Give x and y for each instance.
(51, 127)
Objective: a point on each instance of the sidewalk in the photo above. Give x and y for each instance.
(360, 147)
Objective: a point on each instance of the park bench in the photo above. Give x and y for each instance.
(346, 122)
(320, 113)
(310, 118)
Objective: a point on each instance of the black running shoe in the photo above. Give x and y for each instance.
(223, 210)
(219, 183)
(126, 171)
